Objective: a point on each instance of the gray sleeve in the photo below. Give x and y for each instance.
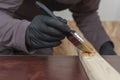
(12, 31)
(87, 19)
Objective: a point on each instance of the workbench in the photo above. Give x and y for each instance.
(46, 67)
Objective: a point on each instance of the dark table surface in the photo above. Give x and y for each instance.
(46, 67)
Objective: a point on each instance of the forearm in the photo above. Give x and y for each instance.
(12, 31)
(90, 25)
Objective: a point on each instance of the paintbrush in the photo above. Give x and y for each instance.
(76, 39)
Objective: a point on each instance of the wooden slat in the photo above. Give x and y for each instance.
(97, 68)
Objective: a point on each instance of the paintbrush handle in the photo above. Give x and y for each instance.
(45, 9)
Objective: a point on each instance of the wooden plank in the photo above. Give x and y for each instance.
(41, 68)
(96, 67)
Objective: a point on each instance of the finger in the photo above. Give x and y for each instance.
(52, 31)
(48, 31)
(48, 38)
(43, 44)
(56, 24)
(51, 44)
(41, 27)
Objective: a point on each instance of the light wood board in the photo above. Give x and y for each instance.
(97, 68)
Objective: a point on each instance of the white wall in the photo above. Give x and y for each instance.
(109, 10)
(66, 14)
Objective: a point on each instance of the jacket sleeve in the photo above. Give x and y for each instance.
(12, 31)
(87, 19)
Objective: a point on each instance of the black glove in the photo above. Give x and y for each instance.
(45, 32)
(107, 49)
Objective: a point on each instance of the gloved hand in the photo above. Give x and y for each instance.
(45, 32)
(107, 49)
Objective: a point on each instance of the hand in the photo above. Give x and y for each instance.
(107, 49)
(45, 32)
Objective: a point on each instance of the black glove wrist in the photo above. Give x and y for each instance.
(107, 49)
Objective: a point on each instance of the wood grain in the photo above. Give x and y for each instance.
(97, 68)
(46, 67)
(41, 68)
